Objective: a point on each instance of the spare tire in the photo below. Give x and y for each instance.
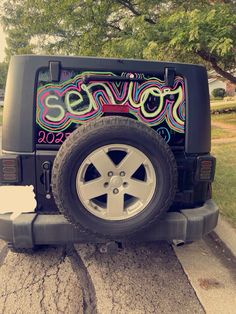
(114, 176)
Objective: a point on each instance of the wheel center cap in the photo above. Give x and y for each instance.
(116, 182)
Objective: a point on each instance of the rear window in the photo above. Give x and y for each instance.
(81, 96)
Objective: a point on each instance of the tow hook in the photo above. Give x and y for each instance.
(111, 248)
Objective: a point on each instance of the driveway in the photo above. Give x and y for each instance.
(144, 278)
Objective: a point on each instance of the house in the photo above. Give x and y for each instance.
(216, 81)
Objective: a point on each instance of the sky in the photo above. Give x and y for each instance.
(2, 44)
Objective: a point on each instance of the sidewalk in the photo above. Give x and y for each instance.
(210, 269)
(227, 234)
(210, 265)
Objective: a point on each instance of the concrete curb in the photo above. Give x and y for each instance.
(227, 234)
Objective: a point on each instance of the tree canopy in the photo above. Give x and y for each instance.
(201, 31)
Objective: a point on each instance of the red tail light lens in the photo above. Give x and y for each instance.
(205, 168)
(115, 108)
(10, 169)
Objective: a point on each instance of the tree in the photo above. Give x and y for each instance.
(174, 30)
(3, 74)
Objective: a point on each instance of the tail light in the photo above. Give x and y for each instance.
(205, 168)
(10, 169)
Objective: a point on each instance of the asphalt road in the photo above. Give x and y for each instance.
(141, 278)
(146, 278)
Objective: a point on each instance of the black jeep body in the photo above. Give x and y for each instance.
(50, 99)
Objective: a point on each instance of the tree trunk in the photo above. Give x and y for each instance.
(223, 73)
(207, 57)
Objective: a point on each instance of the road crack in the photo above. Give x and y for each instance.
(88, 290)
(26, 287)
(41, 279)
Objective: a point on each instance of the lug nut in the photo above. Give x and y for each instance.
(106, 184)
(115, 191)
(110, 174)
(122, 173)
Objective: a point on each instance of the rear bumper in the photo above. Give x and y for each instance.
(31, 229)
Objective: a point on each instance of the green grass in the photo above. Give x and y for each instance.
(223, 105)
(227, 118)
(213, 100)
(0, 116)
(217, 133)
(225, 179)
(223, 102)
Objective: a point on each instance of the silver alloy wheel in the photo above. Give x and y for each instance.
(114, 188)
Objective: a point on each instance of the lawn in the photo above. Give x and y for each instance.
(227, 118)
(0, 116)
(223, 106)
(225, 179)
(223, 122)
(217, 133)
(224, 103)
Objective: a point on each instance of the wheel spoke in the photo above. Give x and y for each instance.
(102, 162)
(139, 189)
(92, 189)
(115, 205)
(131, 162)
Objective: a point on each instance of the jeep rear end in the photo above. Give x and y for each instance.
(93, 115)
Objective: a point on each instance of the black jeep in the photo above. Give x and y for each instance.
(116, 150)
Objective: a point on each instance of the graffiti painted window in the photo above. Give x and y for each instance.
(64, 106)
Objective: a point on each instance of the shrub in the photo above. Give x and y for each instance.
(218, 93)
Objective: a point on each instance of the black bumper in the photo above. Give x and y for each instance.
(31, 229)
